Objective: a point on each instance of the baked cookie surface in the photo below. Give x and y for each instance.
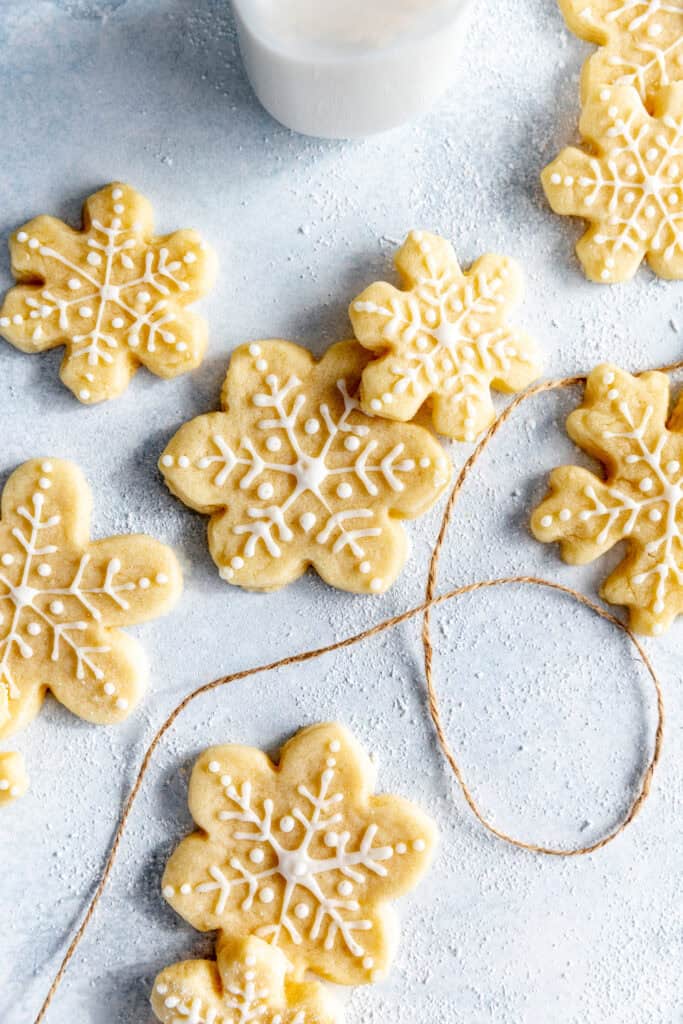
(113, 294)
(641, 43)
(293, 473)
(627, 183)
(443, 338)
(247, 982)
(623, 423)
(302, 855)
(63, 598)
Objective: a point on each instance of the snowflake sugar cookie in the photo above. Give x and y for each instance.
(641, 43)
(112, 293)
(623, 423)
(302, 855)
(445, 338)
(630, 188)
(248, 982)
(294, 474)
(62, 597)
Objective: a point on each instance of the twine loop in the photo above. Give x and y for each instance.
(432, 600)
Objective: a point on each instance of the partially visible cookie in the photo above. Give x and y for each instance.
(641, 43)
(13, 778)
(302, 855)
(247, 982)
(294, 474)
(62, 599)
(444, 338)
(627, 183)
(622, 422)
(114, 294)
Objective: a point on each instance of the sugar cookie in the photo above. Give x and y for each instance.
(629, 187)
(641, 43)
(62, 597)
(623, 423)
(294, 474)
(13, 778)
(248, 982)
(444, 338)
(112, 293)
(302, 855)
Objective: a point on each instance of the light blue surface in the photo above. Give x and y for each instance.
(545, 705)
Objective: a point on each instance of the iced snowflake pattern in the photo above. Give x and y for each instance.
(623, 422)
(630, 189)
(303, 475)
(445, 338)
(247, 983)
(298, 859)
(641, 43)
(58, 595)
(112, 293)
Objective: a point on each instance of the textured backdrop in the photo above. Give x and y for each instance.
(546, 706)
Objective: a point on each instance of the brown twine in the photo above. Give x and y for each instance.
(431, 601)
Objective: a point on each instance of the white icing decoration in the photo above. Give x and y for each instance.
(247, 999)
(444, 348)
(326, 881)
(37, 604)
(658, 501)
(273, 523)
(640, 185)
(644, 52)
(119, 249)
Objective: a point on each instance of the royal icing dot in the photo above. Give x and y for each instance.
(307, 521)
